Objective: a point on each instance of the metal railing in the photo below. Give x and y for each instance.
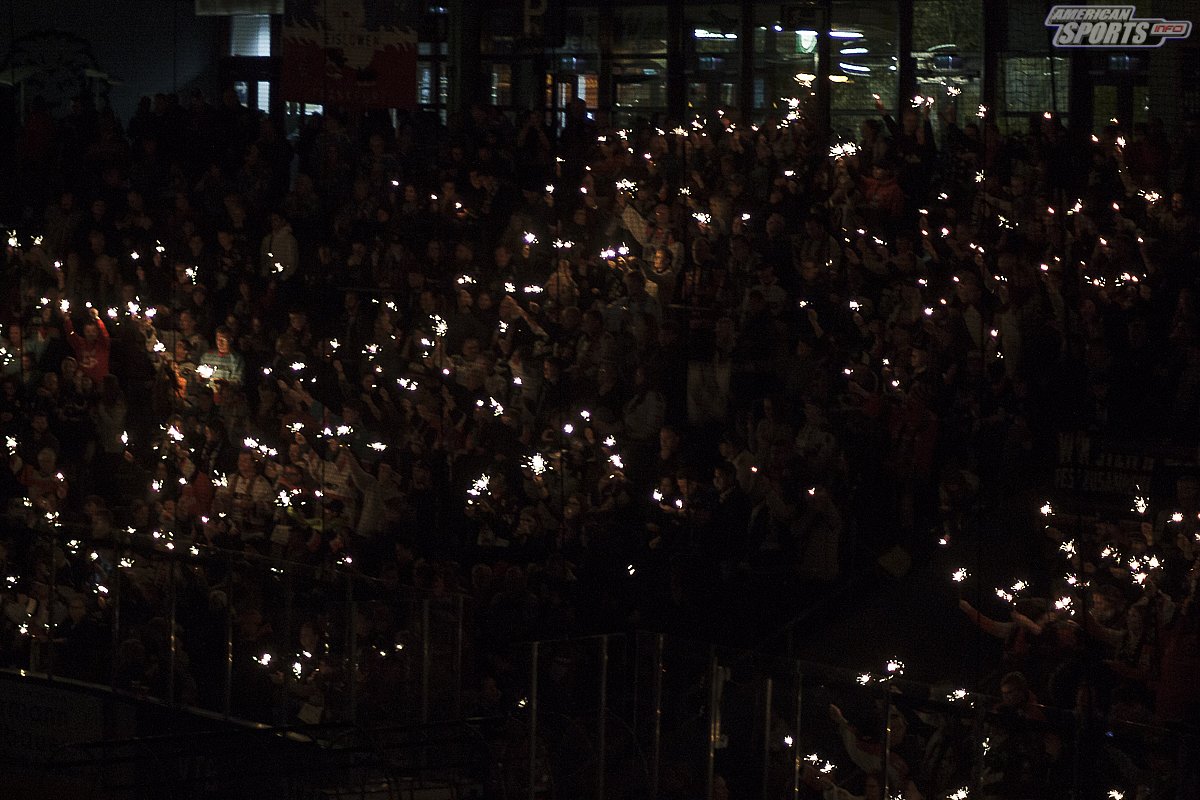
(288, 646)
(241, 635)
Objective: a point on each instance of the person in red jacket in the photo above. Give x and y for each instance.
(882, 193)
(91, 349)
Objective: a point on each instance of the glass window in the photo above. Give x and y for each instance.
(640, 30)
(780, 55)
(855, 84)
(1026, 88)
(714, 28)
(956, 82)
(639, 88)
(250, 35)
(713, 55)
(587, 89)
(424, 83)
(501, 84)
(582, 26)
(264, 96)
(869, 24)
(948, 26)
(863, 61)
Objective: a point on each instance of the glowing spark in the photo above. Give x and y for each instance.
(1046, 509)
(263, 660)
(479, 486)
(530, 238)
(959, 575)
(537, 464)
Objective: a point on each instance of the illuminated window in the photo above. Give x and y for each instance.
(501, 84)
(250, 35)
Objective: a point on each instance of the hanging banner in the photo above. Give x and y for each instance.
(1105, 473)
(354, 53)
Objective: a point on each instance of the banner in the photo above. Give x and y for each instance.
(1107, 473)
(354, 53)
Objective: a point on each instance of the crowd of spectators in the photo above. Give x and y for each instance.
(591, 378)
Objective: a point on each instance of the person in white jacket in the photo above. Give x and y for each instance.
(279, 255)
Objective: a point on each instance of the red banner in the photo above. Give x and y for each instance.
(348, 53)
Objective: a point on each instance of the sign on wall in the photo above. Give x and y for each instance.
(354, 53)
